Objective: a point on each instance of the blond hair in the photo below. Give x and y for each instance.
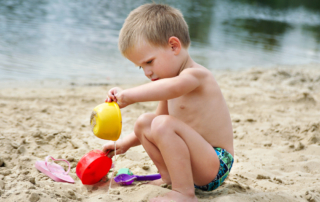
(155, 23)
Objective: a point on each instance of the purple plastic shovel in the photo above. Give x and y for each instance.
(125, 179)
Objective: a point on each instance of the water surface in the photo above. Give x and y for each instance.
(76, 41)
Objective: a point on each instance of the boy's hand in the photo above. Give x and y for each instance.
(121, 148)
(112, 94)
(116, 95)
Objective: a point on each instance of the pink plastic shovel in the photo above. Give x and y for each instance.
(53, 170)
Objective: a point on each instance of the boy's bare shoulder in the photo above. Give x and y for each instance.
(197, 71)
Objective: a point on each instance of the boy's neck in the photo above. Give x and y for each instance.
(187, 62)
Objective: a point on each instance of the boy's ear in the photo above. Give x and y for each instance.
(174, 44)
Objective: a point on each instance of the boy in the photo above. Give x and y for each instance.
(190, 136)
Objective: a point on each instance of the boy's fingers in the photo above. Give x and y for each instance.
(111, 97)
(111, 154)
(106, 148)
(110, 94)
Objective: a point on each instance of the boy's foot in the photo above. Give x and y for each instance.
(158, 182)
(176, 197)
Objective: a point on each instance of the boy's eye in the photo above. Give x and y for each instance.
(140, 67)
(149, 61)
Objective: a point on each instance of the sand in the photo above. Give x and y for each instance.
(275, 114)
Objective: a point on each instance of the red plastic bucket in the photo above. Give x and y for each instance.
(93, 166)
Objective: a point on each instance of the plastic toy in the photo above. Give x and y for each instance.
(93, 166)
(126, 177)
(106, 121)
(124, 171)
(54, 171)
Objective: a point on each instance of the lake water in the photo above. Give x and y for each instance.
(76, 41)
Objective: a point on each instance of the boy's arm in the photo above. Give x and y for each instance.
(171, 88)
(163, 89)
(131, 140)
(162, 108)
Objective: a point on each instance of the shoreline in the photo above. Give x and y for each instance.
(70, 83)
(275, 115)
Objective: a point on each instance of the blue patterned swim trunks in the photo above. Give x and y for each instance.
(226, 161)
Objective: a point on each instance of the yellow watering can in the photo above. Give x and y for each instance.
(106, 121)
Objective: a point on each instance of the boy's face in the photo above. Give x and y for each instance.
(156, 62)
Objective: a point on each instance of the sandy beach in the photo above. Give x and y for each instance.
(276, 121)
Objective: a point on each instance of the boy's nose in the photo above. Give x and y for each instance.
(147, 72)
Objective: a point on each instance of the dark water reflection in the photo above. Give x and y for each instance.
(77, 40)
(314, 30)
(199, 18)
(284, 4)
(267, 33)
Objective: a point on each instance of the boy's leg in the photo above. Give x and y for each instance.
(187, 156)
(143, 127)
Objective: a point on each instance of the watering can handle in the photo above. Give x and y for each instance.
(148, 177)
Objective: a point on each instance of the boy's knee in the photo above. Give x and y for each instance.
(160, 125)
(143, 121)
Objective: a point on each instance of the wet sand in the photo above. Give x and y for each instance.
(275, 114)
